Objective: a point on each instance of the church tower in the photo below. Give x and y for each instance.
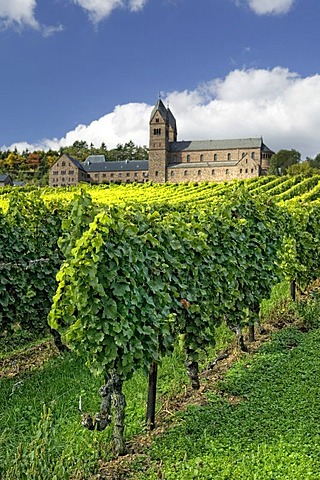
(162, 131)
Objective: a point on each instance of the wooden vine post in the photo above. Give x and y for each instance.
(152, 395)
(293, 290)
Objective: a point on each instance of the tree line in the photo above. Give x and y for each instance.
(288, 162)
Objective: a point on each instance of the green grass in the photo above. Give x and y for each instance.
(272, 434)
(278, 302)
(57, 386)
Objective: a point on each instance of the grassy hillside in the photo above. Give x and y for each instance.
(262, 424)
(255, 420)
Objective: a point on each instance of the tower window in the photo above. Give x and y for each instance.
(157, 120)
(157, 131)
(188, 158)
(201, 158)
(229, 156)
(156, 173)
(215, 157)
(240, 170)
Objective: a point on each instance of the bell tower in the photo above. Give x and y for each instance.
(159, 143)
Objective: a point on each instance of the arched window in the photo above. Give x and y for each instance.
(215, 157)
(199, 172)
(227, 171)
(229, 156)
(201, 158)
(240, 170)
(243, 154)
(185, 173)
(188, 158)
(252, 155)
(212, 172)
(156, 173)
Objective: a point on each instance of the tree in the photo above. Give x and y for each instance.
(303, 168)
(315, 163)
(282, 160)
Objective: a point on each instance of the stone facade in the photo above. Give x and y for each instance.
(67, 171)
(210, 160)
(170, 160)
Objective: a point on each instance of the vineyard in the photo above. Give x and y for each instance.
(126, 275)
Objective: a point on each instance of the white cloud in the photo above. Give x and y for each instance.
(100, 9)
(18, 13)
(136, 5)
(21, 13)
(273, 7)
(278, 104)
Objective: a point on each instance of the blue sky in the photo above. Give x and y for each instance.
(92, 70)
